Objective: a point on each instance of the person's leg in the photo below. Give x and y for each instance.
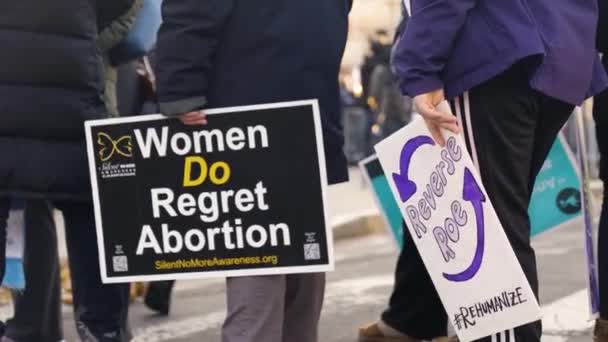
(503, 122)
(38, 315)
(553, 116)
(98, 309)
(422, 315)
(158, 296)
(600, 114)
(603, 226)
(303, 303)
(256, 307)
(601, 329)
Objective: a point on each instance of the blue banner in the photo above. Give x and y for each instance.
(14, 276)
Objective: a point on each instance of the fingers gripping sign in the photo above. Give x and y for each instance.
(194, 118)
(437, 114)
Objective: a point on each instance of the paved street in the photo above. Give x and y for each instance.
(358, 290)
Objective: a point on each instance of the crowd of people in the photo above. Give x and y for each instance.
(506, 67)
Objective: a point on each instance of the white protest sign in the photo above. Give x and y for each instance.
(457, 232)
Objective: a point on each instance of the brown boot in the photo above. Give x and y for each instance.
(601, 331)
(372, 333)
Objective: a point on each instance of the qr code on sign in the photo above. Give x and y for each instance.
(121, 263)
(312, 251)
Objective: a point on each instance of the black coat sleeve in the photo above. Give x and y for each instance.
(187, 42)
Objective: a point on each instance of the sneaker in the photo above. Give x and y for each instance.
(372, 333)
(600, 333)
(87, 335)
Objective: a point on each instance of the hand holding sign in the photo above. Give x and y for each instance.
(454, 226)
(437, 114)
(194, 118)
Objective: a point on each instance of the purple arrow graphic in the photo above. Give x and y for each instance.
(405, 186)
(472, 193)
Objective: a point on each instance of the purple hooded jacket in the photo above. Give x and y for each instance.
(459, 44)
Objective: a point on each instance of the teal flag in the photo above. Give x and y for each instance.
(390, 208)
(556, 198)
(372, 170)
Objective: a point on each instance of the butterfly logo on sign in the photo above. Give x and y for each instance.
(109, 147)
(472, 193)
(109, 150)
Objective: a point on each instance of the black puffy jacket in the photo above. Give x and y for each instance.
(50, 78)
(51, 81)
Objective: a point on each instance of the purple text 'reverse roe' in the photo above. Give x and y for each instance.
(435, 188)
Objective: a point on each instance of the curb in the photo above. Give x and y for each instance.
(358, 226)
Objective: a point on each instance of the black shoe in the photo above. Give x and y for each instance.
(87, 335)
(158, 297)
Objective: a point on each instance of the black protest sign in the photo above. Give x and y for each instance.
(243, 195)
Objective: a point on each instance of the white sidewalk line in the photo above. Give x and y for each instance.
(182, 328)
(568, 315)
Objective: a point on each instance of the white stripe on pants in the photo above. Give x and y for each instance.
(505, 336)
(462, 109)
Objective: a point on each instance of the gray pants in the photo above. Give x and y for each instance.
(274, 308)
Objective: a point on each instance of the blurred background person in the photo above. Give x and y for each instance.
(44, 106)
(375, 108)
(380, 46)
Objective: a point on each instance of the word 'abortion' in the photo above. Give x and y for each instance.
(233, 235)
